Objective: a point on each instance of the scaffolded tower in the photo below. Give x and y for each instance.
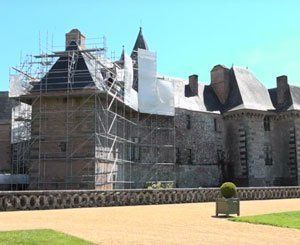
(76, 126)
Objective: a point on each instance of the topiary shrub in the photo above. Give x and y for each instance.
(228, 190)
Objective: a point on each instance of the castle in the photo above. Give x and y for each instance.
(84, 121)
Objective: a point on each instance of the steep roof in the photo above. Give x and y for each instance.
(140, 42)
(247, 92)
(120, 62)
(291, 98)
(57, 77)
(295, 94)
(205, 101)
(122, 57)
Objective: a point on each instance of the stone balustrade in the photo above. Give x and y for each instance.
(33, 200)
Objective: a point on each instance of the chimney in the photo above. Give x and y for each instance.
(192, 88)
(282, 89)
(76, 36)
(193, 83)
(220, 82)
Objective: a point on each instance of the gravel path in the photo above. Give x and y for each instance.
(160, 224)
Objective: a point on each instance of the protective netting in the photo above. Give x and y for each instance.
(18, 85)
(156, 96)
(130, 95)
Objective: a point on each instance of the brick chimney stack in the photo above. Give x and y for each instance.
(193, 83)
(220, 82)
(192, 88)
(76, 36)
(282, 89)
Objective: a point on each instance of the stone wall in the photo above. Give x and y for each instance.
(258, 156)
(33, 200)
(152, 156)
(297, 147)
(143, 173)
(5, 130)
(5, 150)
(284, 146)
(198, 144)
(62, 148)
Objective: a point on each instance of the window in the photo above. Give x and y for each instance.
(178, 155)
(189, 157)
(63, 146)
(268, 155)
(135, 150)
(267, 124)
(115, 153)
(188, 121)
(215, 125)
(158, 154)
(114, 179)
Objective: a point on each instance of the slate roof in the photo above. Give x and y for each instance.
(291, 100)
(295, 94)
(205, 101)
(57, 77)
(140, 42)
(210, 99)
(248, 92)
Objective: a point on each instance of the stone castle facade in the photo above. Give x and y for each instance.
(233, 129)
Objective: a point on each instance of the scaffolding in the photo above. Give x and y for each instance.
(72, 130)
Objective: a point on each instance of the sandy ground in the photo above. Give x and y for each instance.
(161, 224)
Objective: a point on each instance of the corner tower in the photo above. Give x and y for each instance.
(62, 151)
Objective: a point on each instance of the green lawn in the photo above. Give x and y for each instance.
(37, 237)
(287, 219)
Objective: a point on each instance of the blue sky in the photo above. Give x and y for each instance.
(190, 37)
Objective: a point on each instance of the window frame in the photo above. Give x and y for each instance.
(267, 123)
(188, 122)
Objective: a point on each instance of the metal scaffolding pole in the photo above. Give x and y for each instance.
(84, 138)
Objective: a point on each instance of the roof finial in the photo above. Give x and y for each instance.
(140, 42)
(123, 53)
(141, 24)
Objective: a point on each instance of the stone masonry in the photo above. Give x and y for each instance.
(39, 200)
(84, 136)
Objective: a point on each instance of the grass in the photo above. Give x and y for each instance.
(35, 237)
(286, 219)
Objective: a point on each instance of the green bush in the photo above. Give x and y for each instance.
(228, 190)
(159, 185)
